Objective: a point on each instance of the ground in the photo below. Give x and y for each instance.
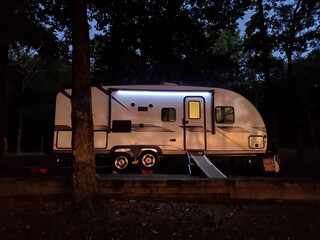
(56, 218)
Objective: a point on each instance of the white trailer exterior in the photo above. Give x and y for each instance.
(133, 122)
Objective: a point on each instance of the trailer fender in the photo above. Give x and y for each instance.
(135, 150)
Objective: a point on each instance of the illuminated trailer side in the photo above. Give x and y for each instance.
(139, 124)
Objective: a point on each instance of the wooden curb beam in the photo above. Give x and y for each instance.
(254, 189)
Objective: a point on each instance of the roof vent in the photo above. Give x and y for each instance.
(170, 84)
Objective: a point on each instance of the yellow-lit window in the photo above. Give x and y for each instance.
(194, 110)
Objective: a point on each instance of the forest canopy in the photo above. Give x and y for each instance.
(273, 59)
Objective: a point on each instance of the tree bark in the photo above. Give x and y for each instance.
(312, 131)
(84, 168)
(271, 123)
(3, 111)
(294, 100)
(19, 135)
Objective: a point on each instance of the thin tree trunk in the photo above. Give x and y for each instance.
(3, 110)
(19, 135)
(312, 131)
(293, 85)
(294, 108)
(84, 168)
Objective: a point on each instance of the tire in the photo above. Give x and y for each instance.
(148, 160)
(121, 162)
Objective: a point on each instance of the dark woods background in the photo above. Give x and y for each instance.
(274, 60)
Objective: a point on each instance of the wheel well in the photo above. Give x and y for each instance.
(135, 150)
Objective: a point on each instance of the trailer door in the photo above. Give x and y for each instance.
(194, 124)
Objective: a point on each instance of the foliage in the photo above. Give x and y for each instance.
(296, 26)
(32, 90)
(190, 42)
(162, 41)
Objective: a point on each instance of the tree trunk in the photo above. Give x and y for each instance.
(293, 86)
(294, 107)
(84, 168)
(312, 131)
(269, 101)
(19, 135)
(3, 110)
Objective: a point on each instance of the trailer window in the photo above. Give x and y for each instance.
(224, 115)
(194, 110)
(168, 114)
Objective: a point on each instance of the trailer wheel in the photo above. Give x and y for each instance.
(121, 162)
(148, 160)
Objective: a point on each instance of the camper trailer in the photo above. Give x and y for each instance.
(141, 124)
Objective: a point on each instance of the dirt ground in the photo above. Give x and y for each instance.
(56, 218)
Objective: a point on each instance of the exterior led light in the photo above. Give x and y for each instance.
(163, 93)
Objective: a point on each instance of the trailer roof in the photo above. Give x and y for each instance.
(161, 87)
